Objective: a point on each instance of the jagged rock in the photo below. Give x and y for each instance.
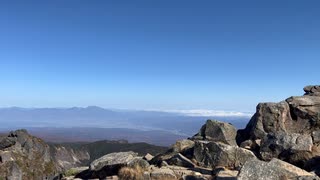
(289, 130)
(183, 146)
(159, 159)
(215, 154)
(163, 173)
(218, 132)
(138, 161)
(312, 90)
(180, 160)
(306, 111)
(26, 156)
(283, 145)
(148, 157)
(6, 142)
(178, 154)
(67, 157)
(174, 158)
(269, 118)
(273, 170)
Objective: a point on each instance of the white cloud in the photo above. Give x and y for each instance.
(210, 113)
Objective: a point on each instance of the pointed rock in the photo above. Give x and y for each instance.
(218, 132)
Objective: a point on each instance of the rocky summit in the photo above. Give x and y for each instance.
(280, 142)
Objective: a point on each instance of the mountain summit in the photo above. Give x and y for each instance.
(281, 141)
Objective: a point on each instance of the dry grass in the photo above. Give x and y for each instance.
(131, 173)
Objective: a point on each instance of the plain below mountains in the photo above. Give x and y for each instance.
(95, 123)
(280, 142)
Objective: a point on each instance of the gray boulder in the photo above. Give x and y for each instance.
(138, 161)
(183, 145)
(312, 90)
(112, 159)
(6, 142)
(283, 145)
(24, 155)
(109, 165)
(269, 118)
(215, 154)
(273, 170)
(217, 131)
(288, 130)
(179, 154)
(305, 110)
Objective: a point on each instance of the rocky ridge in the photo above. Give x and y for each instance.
(23, 156)
(281, 141)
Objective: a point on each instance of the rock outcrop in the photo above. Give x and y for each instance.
(216, 154)
(25, 157)
(67, 157)
(218, 132)
(288, 130)
(281, 141)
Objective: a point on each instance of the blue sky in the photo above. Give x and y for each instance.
(181, 54)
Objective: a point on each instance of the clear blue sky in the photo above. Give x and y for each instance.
(165, 54)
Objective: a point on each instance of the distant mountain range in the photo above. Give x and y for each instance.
(95, 123)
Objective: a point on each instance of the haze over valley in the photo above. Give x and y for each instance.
(95, 123)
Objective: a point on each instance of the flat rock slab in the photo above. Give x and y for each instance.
(112, 159)
(273, 170)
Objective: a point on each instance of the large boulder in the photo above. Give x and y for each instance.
(298, 114)
(269, 118)
(306, 111)
(218, 132)
(273, 170)
(283, 145)
(289, 130)
(216, 154)
(138, 162)
(109, 165)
